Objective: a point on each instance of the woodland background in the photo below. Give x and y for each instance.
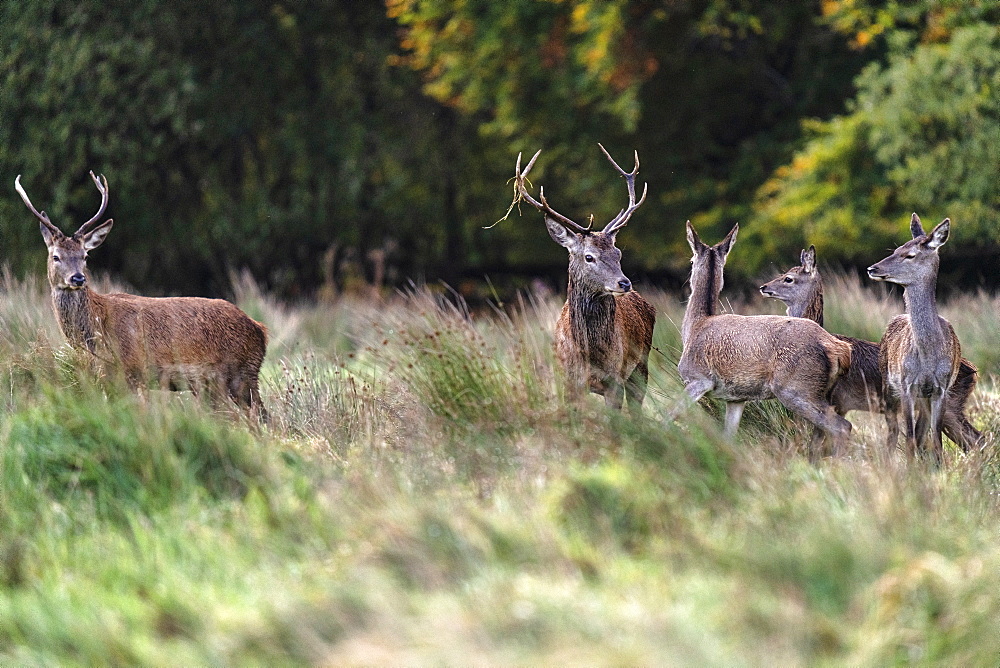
(322, 144)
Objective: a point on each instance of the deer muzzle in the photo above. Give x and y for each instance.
(876, 273)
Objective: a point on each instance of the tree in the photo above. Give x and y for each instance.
(709, 91)
(922, 136)
(233, 135)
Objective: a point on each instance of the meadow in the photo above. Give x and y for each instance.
(424, 494)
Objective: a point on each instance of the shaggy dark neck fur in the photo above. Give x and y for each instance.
(592, 319)
(812, 308)
(75, 313)
(706, 283)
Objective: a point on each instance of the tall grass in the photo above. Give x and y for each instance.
(424, 494)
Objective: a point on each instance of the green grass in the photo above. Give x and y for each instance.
(423, 494)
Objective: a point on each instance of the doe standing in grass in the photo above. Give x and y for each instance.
(740, 358)
(202, 344)
(605, 329)
(920, 354)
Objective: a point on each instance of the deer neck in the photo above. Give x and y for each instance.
(921, 306)
(77, 316)
(810, 308)
(591, 319)
(706, 284)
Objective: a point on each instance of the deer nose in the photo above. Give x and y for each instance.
(625, 285)
(77, 280)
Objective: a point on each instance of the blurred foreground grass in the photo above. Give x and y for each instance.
(424, 495)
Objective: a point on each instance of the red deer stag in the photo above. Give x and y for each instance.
(860, 389)
(205, 344)
(605, 329)
(740, 358)
(920, 354)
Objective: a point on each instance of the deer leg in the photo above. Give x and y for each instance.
(256, 405)
(635, 387)
(921, 423)
(820, 414)
(957, 427)
(936, 419)
(614, 394)
(577, 384)
(694, 390)
(135, 379)
(734, 413)
(954, 424)
(892, 416)
(908, 410)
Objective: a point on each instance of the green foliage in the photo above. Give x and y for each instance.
(525, 63)
(922, 137)
(708, 92)
(213, 164)
(76, 447)
(832, 195)
(934, 132)
(460, 374)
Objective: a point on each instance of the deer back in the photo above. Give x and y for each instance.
(187, 331)
(749, 356)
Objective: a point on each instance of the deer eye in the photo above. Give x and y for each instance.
(789, 279)
(588, 257)
(910, 256)
(55, 258)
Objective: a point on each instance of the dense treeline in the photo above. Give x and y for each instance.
(320, 143)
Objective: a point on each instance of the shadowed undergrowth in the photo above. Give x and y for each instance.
(424, 494)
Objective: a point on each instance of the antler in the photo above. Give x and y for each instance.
(621, 220)
(40, 215)
(543, 205)
(102, 185)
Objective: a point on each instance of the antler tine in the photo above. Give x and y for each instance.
(635, 170)
(40, 215)
(542, 205)
(102, 186)
(623, 216)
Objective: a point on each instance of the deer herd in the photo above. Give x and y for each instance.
(915, 375)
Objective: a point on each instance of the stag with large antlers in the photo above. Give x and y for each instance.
(177, 342)
(605, 330)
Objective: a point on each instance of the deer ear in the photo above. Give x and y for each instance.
(726, 244)
(808, 259)
(693, 241)
(49, 233)
(95, 237)
(916, 229)
(561, 235)
(939, 234)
